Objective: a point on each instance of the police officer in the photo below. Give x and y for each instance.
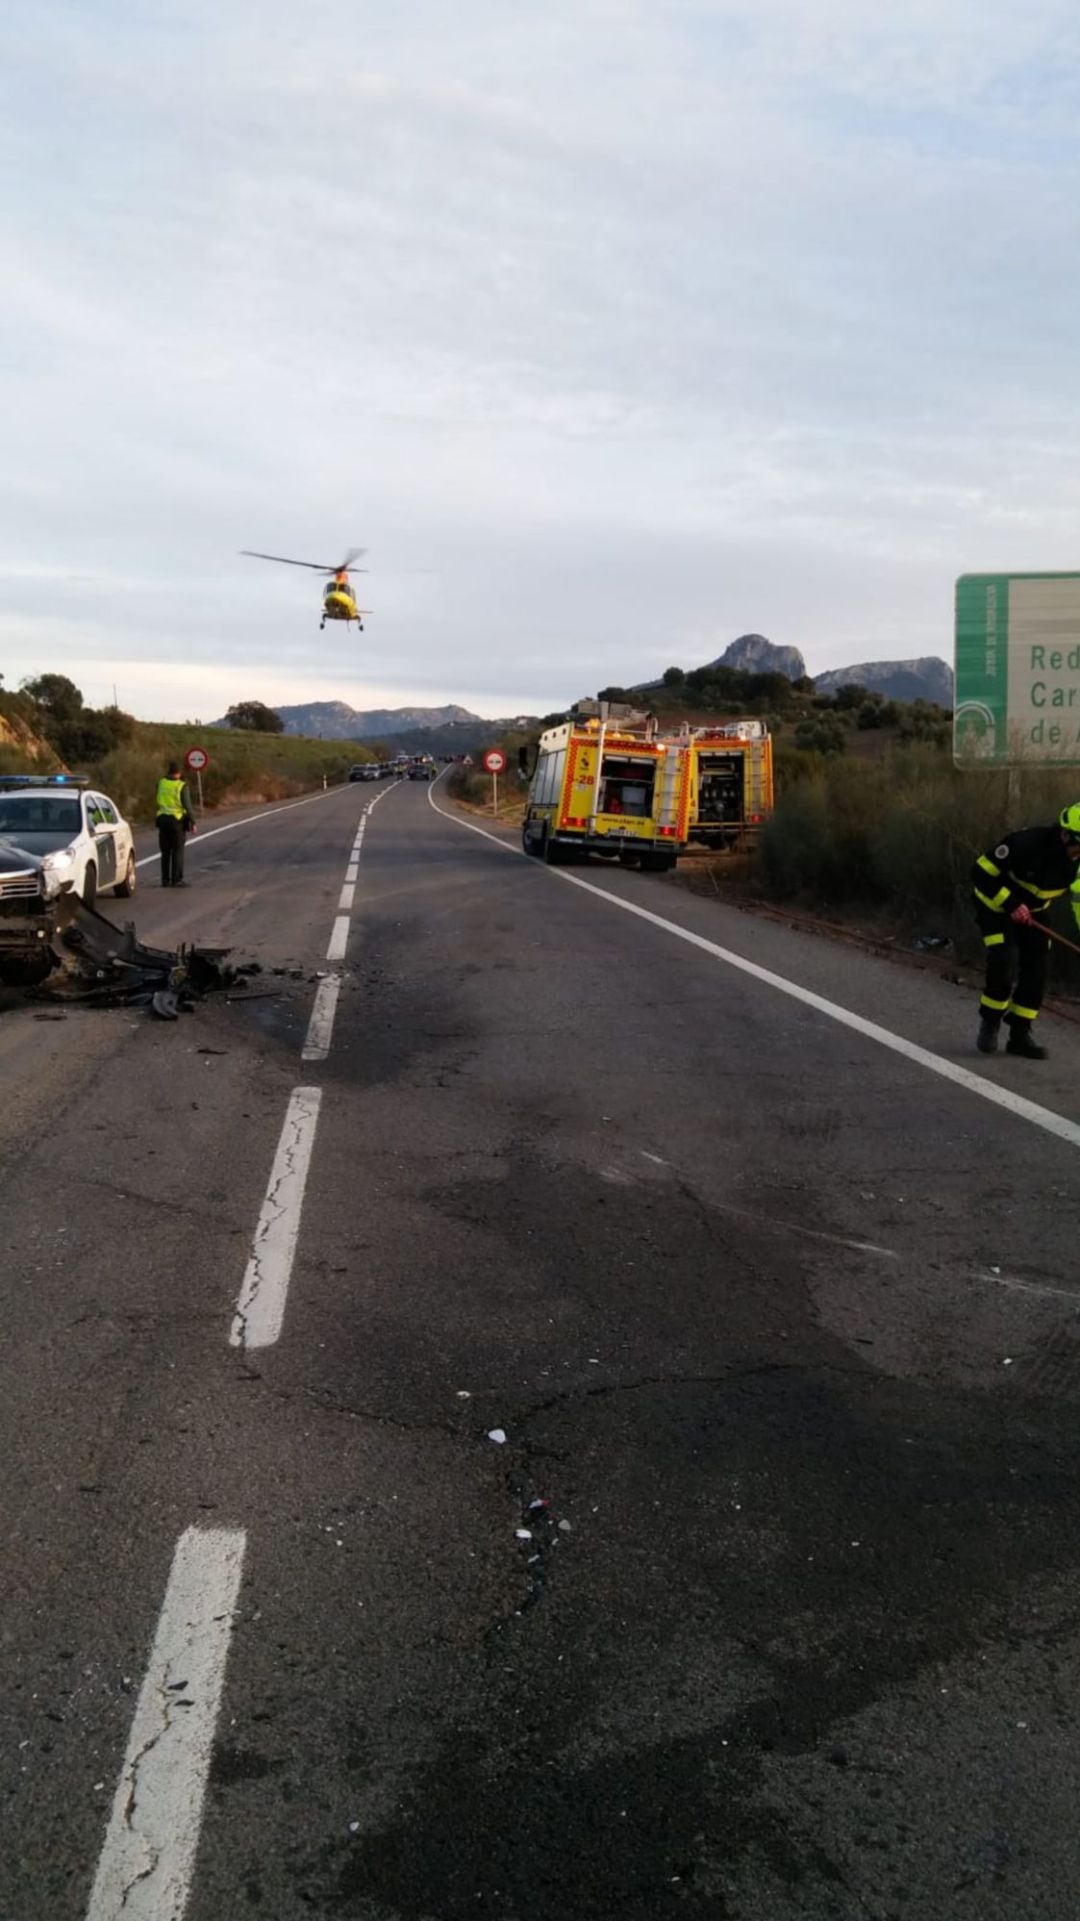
(175, 818)
(1015, 882)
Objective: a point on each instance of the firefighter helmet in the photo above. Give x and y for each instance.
(1069, 819)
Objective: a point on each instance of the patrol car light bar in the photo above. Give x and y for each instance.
(10, 783)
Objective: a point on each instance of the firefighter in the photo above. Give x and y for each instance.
(175, 818)
(1015, 884)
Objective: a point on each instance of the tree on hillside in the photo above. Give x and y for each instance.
(826, 735)
(674, 676)
(255, 718)
(80, 735)
(58, 695)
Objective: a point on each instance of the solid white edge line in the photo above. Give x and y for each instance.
(346, 897)
(339, 939)
(195, 841)
(1016, 1104)
(321, 1025)
(148, 1858)
(260, 1309)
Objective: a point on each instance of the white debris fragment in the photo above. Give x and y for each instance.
(498, 1435)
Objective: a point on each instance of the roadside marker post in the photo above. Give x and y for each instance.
(495, 762)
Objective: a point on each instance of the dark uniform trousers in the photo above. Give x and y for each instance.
(170, 833)
(1016, 960)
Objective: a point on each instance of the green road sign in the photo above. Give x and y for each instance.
(1017, 670)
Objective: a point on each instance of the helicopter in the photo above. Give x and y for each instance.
(339, 599)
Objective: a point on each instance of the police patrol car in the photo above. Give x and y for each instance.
(79, 840)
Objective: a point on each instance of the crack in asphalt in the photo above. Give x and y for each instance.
(331, 1403)
(137, 1760)
(196, 1209)
(268, 1219)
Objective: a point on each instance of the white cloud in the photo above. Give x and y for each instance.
(642, 324)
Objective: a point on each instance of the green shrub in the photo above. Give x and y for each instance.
(899, 835)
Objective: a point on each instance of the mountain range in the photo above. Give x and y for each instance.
(411, 730)
(453, 729)
(927, 678)
(334, 720)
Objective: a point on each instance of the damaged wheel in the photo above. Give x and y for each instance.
(89, 886)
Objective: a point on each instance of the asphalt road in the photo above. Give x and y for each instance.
(775, 1304)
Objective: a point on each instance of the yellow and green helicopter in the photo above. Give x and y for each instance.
(339, 599)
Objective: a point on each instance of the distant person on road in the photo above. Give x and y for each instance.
(1015, 883)
(175, 819)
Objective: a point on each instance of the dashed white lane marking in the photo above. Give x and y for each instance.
(260, 1309)
(339, 938)
(321, 1025)
(195, 841)
(146, 1865)
(987, 1090)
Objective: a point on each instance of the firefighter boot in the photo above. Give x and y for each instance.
(1022, 1042)
(987, 1039)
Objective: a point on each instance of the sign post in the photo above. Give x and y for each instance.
(1017, 700)
(495, 761)
(195, 760)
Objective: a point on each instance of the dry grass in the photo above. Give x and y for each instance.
(243, 767)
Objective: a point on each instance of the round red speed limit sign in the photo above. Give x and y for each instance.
(196, 760)
(495, 761)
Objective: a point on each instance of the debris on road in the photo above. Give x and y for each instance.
(89, 960)
(498, 1435)
(538, 1534)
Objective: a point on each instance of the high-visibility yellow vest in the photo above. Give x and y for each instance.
(170, 798)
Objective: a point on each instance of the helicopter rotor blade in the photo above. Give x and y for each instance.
(252, 554)
(354, 553)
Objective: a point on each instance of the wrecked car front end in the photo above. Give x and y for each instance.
(27, 915)
(53, 944)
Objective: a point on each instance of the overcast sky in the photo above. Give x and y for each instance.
(640, 325)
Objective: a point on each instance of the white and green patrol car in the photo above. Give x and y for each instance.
(78, 837)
